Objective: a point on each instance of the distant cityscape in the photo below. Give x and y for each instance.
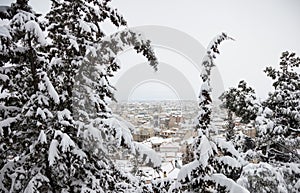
(158, 118)
(168, 128)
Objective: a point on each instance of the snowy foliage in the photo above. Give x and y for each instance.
(55, 125)
(122, 137)
(161, 185)
(278, 121)
(204, 96)
(148, 155)
(21, 66)
(230, 185)
(291, 175)
(262, 178)
(241, 101)
(216, 163)
(243, 142)
(276, 154)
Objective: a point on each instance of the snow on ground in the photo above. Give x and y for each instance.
(149, 173)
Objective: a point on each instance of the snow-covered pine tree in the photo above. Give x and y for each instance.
(21, 63)
(278, 124)
(53, 150)
(241, 102)
(230, 126)
(188, 154)
(8, 111)
(215, 165)
(25, 104)
(263, 178)
(92, 58)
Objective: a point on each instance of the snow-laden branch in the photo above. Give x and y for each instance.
(123, 138)
(113, 45)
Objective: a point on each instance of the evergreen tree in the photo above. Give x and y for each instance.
(56, 125)
(263, 178)
(230, 126)
(22, 69)
(188, 155)
(161, 185)
(216, 163)
(241, 102)
(278, 123)
(90, 57)
(27, 94)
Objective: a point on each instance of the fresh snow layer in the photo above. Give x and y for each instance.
(230, 185)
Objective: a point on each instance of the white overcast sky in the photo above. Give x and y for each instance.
(262, 29)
